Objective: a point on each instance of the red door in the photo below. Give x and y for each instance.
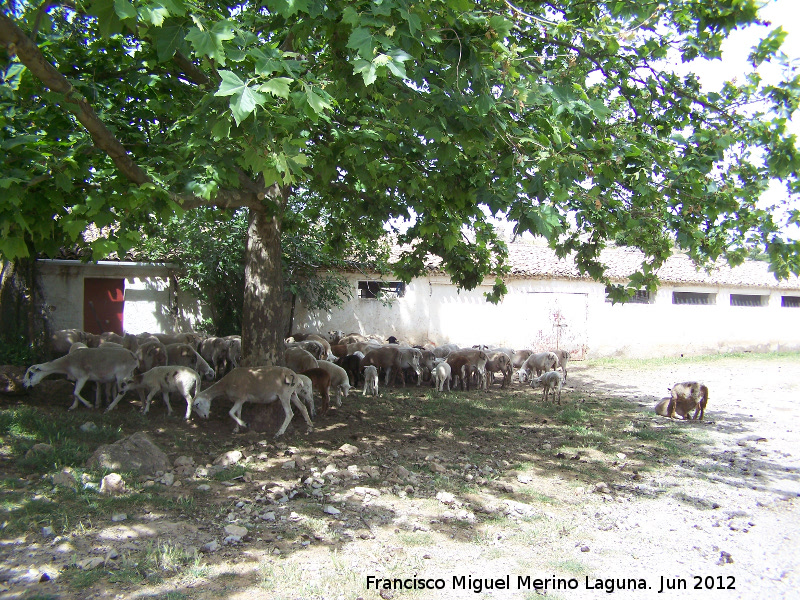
(103, 301)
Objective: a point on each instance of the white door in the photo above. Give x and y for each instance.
(557, 320)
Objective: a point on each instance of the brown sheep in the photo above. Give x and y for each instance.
(321, 382)
(689, 395)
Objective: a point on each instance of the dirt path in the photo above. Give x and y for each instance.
(730, 512)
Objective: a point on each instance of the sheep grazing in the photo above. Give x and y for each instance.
(340, 382)
(550, 381)
(102, 365)
(685, 397)
(305, 391)
(260, 385)
(542, 361)
(299, 360)
(499, 362)
(371, 381)
(186, 356)
(321, 381)
(165, 380)
(441, 375)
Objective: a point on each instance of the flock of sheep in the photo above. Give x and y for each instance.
(176, 363)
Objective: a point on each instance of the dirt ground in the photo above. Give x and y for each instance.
(330, 513)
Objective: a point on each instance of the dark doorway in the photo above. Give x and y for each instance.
(103, 302)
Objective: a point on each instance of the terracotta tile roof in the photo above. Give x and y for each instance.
(537, 261)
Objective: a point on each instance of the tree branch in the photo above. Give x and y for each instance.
(18, 43)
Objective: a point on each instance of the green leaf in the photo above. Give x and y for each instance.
(277, 86)
(245, 102)
(362, 41)
(367, 70)
(168, 39)
(230, 84)
(107, 19)
(13, 247)
(316, 102)
(125, 9)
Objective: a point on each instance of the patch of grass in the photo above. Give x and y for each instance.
(571, 566)
(229, 473)
(416, 538)
(644, 363)
(80, 580)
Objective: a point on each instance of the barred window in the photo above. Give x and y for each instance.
(386, 289)
(790, 301)
(749, 300)
(641, 297)
(693, 298)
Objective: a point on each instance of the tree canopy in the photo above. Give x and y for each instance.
(557, 115)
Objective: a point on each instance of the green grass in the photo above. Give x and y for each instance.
(634, 363)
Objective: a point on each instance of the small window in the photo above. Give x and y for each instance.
(386, 289)
(641, 297)
(790, 301)
(749, 300)
(693, 298)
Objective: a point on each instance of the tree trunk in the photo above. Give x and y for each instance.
(262, 315)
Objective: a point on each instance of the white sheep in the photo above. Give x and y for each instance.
(179, 379)
(102, 365)
(261, 385)
(371, 381)
(340, 381)
(186, 356)
(549, 381)
(542, 361)
(305, 391)
(441, 375)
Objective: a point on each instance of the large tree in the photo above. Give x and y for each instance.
(558, 115)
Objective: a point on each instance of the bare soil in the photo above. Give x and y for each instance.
(416, 498)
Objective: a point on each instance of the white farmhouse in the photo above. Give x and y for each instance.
(550, 305)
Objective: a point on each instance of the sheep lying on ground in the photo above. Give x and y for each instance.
(686, 397)
(102, 365)
(179, 379)
(261, 385)
(371, 381)
(550, 381)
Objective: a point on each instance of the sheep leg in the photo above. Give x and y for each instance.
(287, 409)
(188, 397)
(146, 404)
(165, 397)
(116, 400)
(235, 414)
(77, 393)
(301, 407)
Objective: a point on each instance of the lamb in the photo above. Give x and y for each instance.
(473, 360)
(371, 381)
(151, 354)
(687, 396)
(261, 385)
(441, 375)
(340, 382)
(305, 391)
(542, 361)
(102, 365)
(320, 380)
(549, 381)
(165, 380)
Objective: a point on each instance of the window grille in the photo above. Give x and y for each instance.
(693, 298)
(386, 289)
(749, 300)
(790, 301)
(640, 297)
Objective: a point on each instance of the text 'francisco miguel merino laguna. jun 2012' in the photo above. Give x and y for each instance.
(526, 582)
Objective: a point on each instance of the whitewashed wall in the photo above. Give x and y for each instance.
(152, 302)
(569, 314)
